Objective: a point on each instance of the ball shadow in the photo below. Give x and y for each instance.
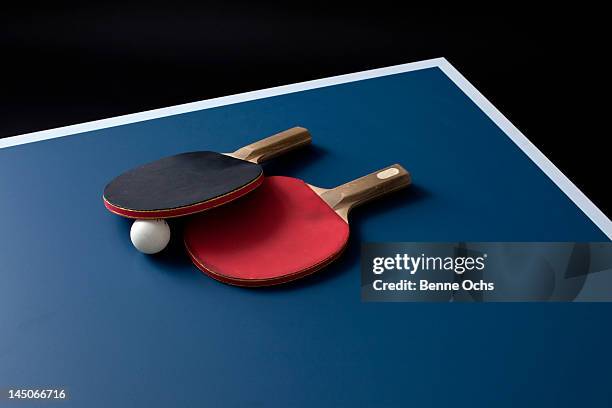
(174, 255)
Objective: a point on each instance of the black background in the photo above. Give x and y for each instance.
(542, 69)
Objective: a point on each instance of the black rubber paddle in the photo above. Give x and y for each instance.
(192, 182)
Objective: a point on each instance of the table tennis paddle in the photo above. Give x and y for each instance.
(285, 230)
(191, 182)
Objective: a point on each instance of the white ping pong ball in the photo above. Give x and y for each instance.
(150, 236)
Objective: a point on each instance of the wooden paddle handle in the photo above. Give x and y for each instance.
(366, 188)
(275, 145)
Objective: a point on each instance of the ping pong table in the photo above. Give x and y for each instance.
(82, 310)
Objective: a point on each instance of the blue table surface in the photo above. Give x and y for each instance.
(82, 310)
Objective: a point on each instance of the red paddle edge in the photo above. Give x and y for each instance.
(253, 283)
(187, 210)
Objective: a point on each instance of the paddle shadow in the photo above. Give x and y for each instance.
(293, 162)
